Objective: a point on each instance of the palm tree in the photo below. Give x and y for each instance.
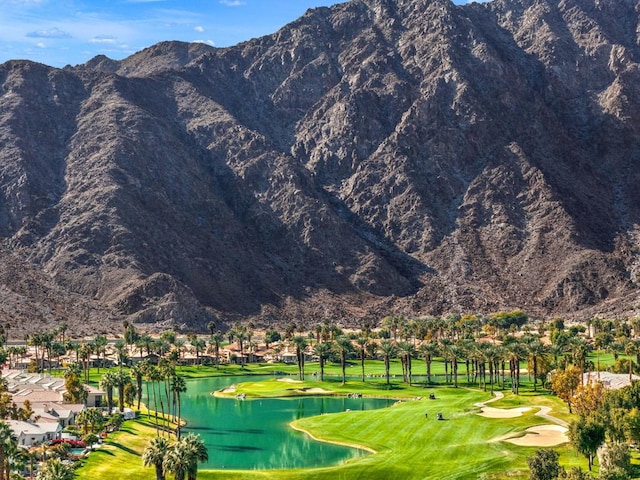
(121, 353)
(428, 351)
(198, 345)
(300, 344)
(406, 351)
(121, 379)
(54, 469)
(178, 387)
(177, 461)
(154, 455)
(197, 453)
(631, 348)
(322, 350)
(7, 438)
(216, 340)
(536, 350)
(138, 373)
(100, 343)
(108, 383)
(239, 333)
(362, 342)
(343, 346)
(388, 351)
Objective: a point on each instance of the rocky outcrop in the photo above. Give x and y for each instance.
(376, 157)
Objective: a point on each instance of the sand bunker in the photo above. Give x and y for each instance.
(289, 380)
(314, 390)
(230, 389)
(542, 436)
(490, 412)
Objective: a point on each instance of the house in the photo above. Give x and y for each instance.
(611, 381)
(32, 433)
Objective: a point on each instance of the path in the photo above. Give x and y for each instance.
(542, 412)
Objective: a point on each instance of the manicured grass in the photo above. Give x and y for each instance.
(407, 445)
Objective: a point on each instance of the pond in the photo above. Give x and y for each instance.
(254, 434)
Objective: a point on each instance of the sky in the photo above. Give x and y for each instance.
(70, 32)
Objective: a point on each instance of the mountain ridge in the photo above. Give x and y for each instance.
(374, 157)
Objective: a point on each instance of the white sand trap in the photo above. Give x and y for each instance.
(289, 380)
(315, 390)
(542, 436)
(230, 389)
(491, 412)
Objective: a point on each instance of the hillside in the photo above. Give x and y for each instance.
(376, 157)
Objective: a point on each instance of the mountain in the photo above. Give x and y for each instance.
(376, 157)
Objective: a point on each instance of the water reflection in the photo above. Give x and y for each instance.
(254, 434)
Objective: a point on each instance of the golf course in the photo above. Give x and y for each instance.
(476, 437)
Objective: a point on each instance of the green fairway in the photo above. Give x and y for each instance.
(407, 445)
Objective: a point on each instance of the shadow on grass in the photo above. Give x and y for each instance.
(98, 453)
(124, 448)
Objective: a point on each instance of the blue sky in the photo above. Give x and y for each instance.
(70, 32)
(61, 32)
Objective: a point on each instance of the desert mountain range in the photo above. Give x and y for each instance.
(377, 157)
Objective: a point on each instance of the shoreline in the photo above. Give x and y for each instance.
(335, 442)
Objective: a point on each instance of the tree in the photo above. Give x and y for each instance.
(7, 438)
(108, 383)
(54, 469)
(154, 454)
(575, 473)
(388, 351)
(121, 379)
(615, 461)
(565, 382)
(343, 347)
(428, 351)
(588, 398)
(197, 453)
(178, 387)
(182, 457)
(587, 436)
(138, 373)
(322, 350)
(544, 465)
(301, 344)
(100, 347)
(215, 341)
(75, 391)
(362, 342)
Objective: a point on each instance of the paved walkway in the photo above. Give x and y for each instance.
(542, 412)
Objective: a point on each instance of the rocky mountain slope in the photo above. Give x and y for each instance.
(376, 157)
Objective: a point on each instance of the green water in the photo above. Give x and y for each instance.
(254, 434)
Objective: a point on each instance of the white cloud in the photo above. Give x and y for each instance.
(233, 3)
(207, 42)
(109, 39)
(49, 33)
(199, 29)
(41, 45)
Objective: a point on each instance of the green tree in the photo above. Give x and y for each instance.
(54, 469)
(154, 454)
(587, 436)
(615, 461)
(322, 350)
(178, 387)
(108, 383)
(7, 439)
(544, 465)
(428, 350)
(343, 347)
(197, 453)
(75, 391)
(300, 344)
(388, 351)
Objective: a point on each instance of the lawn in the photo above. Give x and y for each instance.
(407, 445)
